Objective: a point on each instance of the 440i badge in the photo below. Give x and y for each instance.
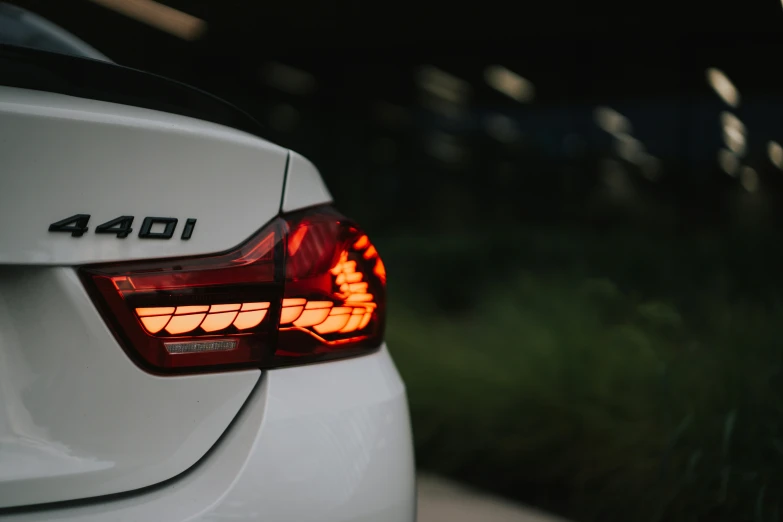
(121, 226)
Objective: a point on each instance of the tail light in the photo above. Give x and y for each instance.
(308, 287)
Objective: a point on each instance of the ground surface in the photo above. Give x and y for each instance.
(442, 500)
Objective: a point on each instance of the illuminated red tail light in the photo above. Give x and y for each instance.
(308, 287)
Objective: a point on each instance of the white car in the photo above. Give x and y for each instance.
(189, 330)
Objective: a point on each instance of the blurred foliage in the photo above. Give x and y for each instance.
(612, 376)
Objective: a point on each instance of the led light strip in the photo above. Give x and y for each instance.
(323, 316)
(184, 319)
(297, 313)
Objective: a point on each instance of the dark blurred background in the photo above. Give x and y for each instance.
(579, 207)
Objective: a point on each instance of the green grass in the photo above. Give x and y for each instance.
(600, 397)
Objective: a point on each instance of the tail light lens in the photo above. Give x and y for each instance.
(308, 287)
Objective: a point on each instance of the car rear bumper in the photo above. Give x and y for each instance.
(326, 442)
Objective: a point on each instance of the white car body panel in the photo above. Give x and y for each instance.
(77, 417)
(303, 186)
(63, 155)
(85, 434)
(322, 443)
